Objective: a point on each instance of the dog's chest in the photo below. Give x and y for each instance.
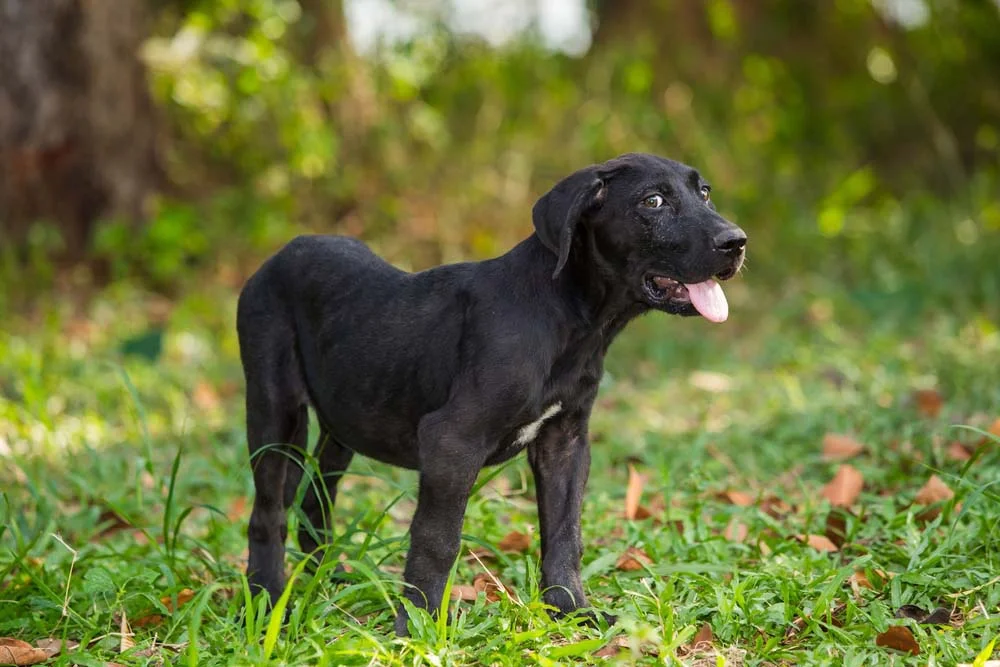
(527, 433)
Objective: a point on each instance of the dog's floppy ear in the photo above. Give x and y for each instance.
(559, 210)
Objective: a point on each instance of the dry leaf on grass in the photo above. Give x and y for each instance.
(929, 402)
(633, 494)
(899, 637)
(126, 642)
(515, 541)
(860, 580)
(774, 507)
(17, 652)
(994, 428)
(183, 597)
(486, 583)
(739, 498)
(633, 559)
(845, 487)
(934, 491)
(612, 648)
(798, 625)
(839, 447)
(702, 639)
(481, 583)
(480, 554)
(958, 452)
(817, 542)
(466, 592)
(937, 616)
(736, 531)
(836, 526)
(112, 522)
(54, 647)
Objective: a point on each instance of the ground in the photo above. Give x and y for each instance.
(126, 492)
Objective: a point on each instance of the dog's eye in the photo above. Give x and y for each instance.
(706, 192)
(653, 201)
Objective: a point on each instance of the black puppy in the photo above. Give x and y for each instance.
(463, 366)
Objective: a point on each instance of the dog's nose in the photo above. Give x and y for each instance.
(731, 241)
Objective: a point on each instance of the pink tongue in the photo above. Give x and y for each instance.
(708, 299)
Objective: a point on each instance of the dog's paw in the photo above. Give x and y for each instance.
(402, 624)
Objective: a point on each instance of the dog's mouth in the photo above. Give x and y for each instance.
(706, 297)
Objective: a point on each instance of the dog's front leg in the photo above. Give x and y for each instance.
(560, 462)
(449, 466)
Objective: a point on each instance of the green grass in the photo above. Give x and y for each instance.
(124, 480)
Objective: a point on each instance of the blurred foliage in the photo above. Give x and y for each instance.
(818, 123)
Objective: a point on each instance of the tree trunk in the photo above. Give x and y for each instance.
(77, 140)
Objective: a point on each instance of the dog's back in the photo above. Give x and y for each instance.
(328, 322)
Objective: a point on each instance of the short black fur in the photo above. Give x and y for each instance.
(448, 370)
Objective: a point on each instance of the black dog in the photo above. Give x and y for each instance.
(463, 366)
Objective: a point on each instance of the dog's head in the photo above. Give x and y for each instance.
(648, 223)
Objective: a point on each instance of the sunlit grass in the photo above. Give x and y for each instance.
(96, 525)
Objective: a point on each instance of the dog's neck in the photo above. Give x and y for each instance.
(602, 306)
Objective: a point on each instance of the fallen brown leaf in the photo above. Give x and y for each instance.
(612, 648)
(480, 554)
(740, 498)
(929, 402)
(466, 592)
(633, 493)
(17, 652)
(485, 583)
(54, 647)
(937, 616)
(818, 542)
(799, 624)
(633, 559)
(845, 487)
(736, 531)
(836, 526)
(899, 637)
(860, 580)
(774, 507)
(642, 513)
(702, 639)
(111, 522)
(125, 632)
(183, 597)
(838, 447)
(934, 491)
(515, 541)
(958, 452)
(994, 428)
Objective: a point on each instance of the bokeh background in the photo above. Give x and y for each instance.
(856, 140)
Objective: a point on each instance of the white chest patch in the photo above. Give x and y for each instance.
(529, 431)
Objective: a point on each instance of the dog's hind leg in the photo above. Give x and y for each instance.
(277, 424)
(273, 433)
(321, 493)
